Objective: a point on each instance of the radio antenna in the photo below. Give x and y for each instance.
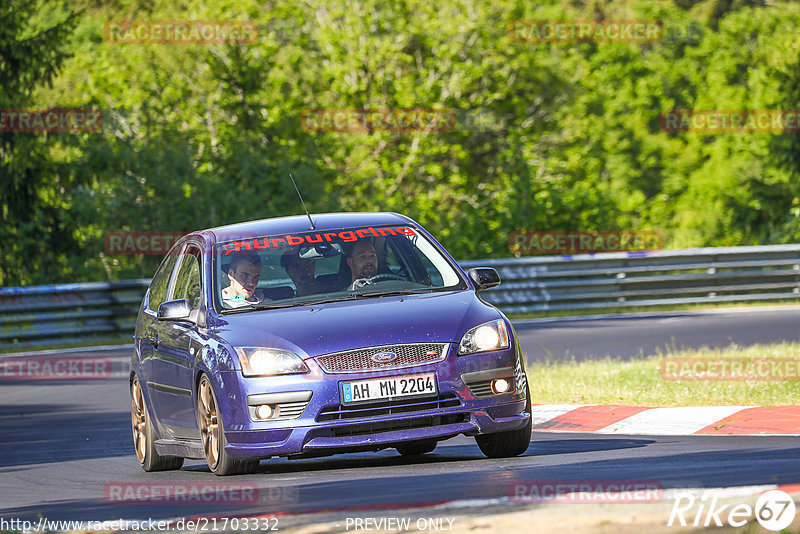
(303, 203)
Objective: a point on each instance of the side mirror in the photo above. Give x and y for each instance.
(484, 277)
(175, 310)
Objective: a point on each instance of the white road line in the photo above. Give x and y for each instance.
(671, 421)
(542, 414)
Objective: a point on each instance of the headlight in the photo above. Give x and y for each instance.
(259, 361)
(488, 336)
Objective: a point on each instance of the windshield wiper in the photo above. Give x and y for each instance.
(393, 292)
(254, 307)
(323, 301)
(277, 305)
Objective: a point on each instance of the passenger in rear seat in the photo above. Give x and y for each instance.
(301, 271)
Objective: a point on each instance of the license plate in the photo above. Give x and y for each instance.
(389, 387)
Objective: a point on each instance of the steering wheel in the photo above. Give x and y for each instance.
(358, 283)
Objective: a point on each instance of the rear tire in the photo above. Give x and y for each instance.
(417, 448)
(144, 435)
(509, 443)
(213, 435)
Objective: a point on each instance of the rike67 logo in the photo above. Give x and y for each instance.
(774, 510)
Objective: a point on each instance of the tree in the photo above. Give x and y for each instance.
(33, 230)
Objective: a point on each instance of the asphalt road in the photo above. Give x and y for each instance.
(654, 333)
(65, 446)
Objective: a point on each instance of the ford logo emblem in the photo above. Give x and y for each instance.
(384, 357)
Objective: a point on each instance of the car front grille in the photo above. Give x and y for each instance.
(387, 407)
(362, 429)
(361, 360)
(291, 410)
(481, 389)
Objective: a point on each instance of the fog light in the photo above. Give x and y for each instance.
(500, 385)
(264, 411)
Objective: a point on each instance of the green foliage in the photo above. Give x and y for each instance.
(33, 185)
(547, 136)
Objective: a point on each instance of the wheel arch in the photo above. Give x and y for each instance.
(226, 388)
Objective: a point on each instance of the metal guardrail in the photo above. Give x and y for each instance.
(654, 278)
(37, 316)
(45, 315)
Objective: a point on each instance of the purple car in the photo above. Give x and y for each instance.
(311, 336)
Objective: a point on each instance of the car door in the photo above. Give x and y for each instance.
(176, 351)
(147, 340)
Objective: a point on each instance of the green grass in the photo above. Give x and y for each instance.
(639, 382)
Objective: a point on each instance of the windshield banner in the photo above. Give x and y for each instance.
(289, 240)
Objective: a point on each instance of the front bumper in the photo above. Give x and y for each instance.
(325, 426)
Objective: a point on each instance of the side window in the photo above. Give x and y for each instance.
(413, 265)
(434, 276)
(158, 287)
(398, 260)
(187, 283)
(392, 263)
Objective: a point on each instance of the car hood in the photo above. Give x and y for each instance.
(337, 326)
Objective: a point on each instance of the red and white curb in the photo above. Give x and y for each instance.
(681, 421)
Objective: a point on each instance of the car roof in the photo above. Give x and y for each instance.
(299, 223)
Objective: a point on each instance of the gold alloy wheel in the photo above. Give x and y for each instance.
(209, 426)
(138, 420)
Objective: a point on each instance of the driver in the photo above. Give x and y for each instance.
(362, 260)
(243, 273)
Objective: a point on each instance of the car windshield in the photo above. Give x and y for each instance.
(285, 270)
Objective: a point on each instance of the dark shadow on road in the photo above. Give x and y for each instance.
(457, 472)
(365, 490)
(43, 433)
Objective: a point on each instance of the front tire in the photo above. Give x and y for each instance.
(144, 435)
(509, 443)
(213, 435)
